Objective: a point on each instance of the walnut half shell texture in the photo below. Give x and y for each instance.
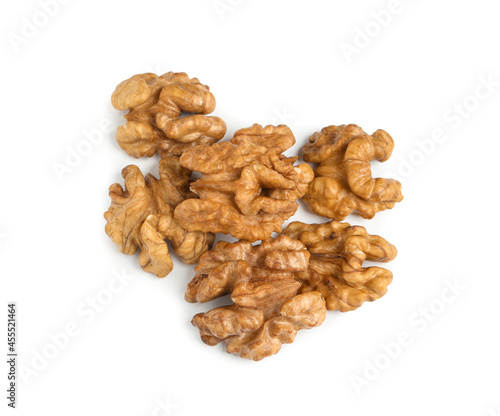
(142, 216)
(267, 310)
(343, 182)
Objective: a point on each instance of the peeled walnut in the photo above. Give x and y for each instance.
(343, 181)
(336, 270)
(155, 104)
(247, 188)
(267, 311)
(142, 216)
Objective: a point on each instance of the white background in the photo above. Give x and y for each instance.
(266, 62)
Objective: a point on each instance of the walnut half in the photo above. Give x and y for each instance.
(142, 216)
(247, 188)
(154, 122)
(267, 311)
(338, 251)
(343, 181)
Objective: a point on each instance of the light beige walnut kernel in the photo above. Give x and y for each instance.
(343, 181)
(142, 216)
(247, 188)
(267, 310)
(336, 270)
(154, 122)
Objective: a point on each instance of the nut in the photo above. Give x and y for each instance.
(247, 188)
(267, 311)
(142, 216)
(336, 270)
(343, 181)
(155, 104)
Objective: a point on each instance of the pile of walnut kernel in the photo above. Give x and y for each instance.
(248, 189)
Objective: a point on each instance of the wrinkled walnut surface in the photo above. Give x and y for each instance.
(343, 181)
(336, 270)
(142, 216)
(155, 104)
(267, 311)
(247, 188)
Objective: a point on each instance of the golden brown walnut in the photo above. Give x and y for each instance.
(343, 181)
(267, 311)
(142, 216)
(247, 188)
(336, 270)
(155, 104)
